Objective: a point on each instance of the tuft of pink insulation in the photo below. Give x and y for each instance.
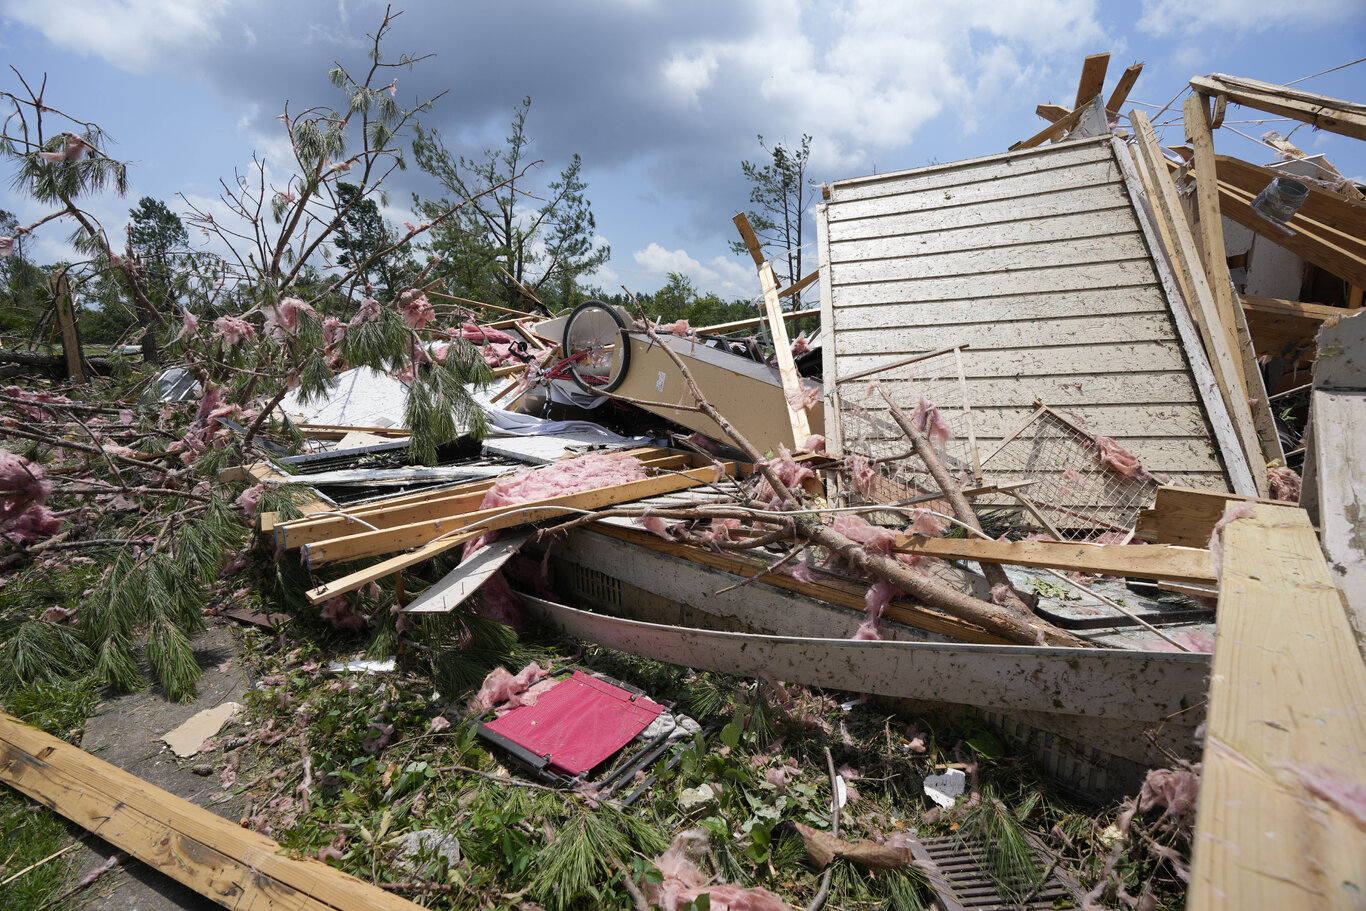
(1232, 512)
(23, 517)
(814, 443)
(1285, 484)
(926, 523)
(684, 881)
(861, 473)
(801, 345)
(415, 309)
(586, 472)
(507, 691)
(930, 422)
(471, 332)
(804, 399)
(1112, 455)
(1173, 791)
(655, 526)
(338, 612)
(879, 595)
(788, 471)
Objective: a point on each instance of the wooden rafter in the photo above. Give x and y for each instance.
(1092, 78)
(1122, 89)
(1333, 114)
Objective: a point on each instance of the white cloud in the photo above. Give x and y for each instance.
(720, 275)
(1165, 17)
(136, 35)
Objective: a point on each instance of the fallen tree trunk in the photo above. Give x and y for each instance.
(18, 361)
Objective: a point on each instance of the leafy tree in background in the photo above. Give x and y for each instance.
(23, 286)
(679, 299)
(157, 237)
(363, 239)
(546, 248)
(780, 193)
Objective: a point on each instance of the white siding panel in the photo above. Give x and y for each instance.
(1011, 308)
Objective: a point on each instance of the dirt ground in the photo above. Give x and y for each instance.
(126, 731)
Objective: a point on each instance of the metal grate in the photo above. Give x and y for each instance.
(598, 588)
(868, 429)
(1080, 495)
(965, 885)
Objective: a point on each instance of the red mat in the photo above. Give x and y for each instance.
(578, 723)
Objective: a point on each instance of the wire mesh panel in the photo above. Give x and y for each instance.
(931, 393)
(1076, 481)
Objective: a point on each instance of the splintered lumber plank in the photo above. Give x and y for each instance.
(1310, 240)
(389, 540)
(66, 322)
(1277, 324)
(1137, 686)
(1052, 112)
(1154, 561)
(1186, 258)
(1286, 728)
(1185, 516)
(1337, 217)
(1201, 138)
(1347, 118)
(1053, 131)
(236, 867)
(1092, 78)
(1122, 89)
(746, 230)
(782, 350)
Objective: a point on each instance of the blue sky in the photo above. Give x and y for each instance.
(662, 99)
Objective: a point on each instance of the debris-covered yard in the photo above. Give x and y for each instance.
(325, 586)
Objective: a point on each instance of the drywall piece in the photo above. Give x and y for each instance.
(186, 740)
(1038, 262)
(1285, 743)
(360, 397)
(235, 867)
(945, 789)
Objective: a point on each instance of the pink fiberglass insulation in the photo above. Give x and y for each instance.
(1190, 641)
(879, 595)
(655, 526)
(804, 399)
(683, 881)
(801, 345)
(1232, 512)
(678, 327)
(861, 473)
(23, 517)
(482, 336)
(496, 355)
(1285, 484)
(587, 472)
(507, 691)
(814, 443)
(927, 419)
(1112, 455)
(1173, 791)
(788, 471)
(925, 522)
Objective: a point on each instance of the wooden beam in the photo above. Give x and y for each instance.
(756, 320)
(452, 589)
(1185, 259)
(800, 284)
(1052, 131)
(1199, 135)
(235, 867)
(1092, 78)
(1052, 112)
(1347, 118)
(1157, 561)
(1338, 218)
(793, 389)
(418, 534)
(1185, 516)
(1285, 741)
(1122, 89)
(746, 230)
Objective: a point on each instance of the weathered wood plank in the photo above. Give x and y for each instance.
(1099, 195)
(782, 353)
(1287, 707)
(1185, 516)
(452, 589)
(236, 867)
(1022, 307)
(1342, 217)
(1138, 686)
(1122, 89)
(1092, 78)
(1157, 561)
(972, 170)
(968, 236)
